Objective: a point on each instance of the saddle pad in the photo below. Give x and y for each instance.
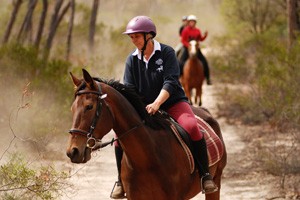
(185, 148)
(215, 148)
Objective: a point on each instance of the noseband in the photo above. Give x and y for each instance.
(89, 134)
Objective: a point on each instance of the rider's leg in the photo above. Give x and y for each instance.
(119, 155)
(118, 191)
(201, 159)
(184, 115)
(183, 58)
(205, 65)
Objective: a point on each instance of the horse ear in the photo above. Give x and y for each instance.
(76, 81)
(88, 79)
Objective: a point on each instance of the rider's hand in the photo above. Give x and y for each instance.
(205, 33)
(152, 108)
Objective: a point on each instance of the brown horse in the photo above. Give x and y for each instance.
(193, 74)
(154, 165)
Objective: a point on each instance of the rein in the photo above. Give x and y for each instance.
(102, 145)
(97, 143)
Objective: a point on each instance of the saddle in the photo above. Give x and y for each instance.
(215, 148)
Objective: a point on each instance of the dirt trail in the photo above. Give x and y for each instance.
(94, 180)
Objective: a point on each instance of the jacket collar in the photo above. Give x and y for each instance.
(157, 47)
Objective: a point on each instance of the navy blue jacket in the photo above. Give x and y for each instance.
(161, 72)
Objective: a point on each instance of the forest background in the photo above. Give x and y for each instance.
(253, 49)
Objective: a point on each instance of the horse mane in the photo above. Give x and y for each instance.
(157, 121)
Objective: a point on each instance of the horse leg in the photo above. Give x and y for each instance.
(213, 196)
(198, 96)
(188, 93)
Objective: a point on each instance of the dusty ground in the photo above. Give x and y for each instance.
(94, 180)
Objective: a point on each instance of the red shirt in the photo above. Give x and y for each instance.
(191, 33)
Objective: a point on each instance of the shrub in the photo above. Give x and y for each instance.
(18, 181)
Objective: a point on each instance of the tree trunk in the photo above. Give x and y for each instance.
(56, 19)
(69, 40)
(93, 24)
(52, 28)
(26, 28)
(12, 21)
(293, 26)
(41, 25)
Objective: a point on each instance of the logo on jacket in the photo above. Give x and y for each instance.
(159, 62)
(160, 69)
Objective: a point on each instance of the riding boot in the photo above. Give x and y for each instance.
(118, 190)
(206, 73)
(181, 67)
(208, 81)
(201, 161)
(205, 66)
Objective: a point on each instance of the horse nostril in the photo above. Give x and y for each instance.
(71, 154)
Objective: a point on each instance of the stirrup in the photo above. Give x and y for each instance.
(208, 177)
(117, 192)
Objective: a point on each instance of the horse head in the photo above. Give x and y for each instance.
(92, 118)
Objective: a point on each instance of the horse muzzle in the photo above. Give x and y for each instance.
(77, 156)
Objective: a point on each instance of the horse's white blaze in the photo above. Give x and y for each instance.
(193, 44)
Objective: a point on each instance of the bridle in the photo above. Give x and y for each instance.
(89, 134)
(97, 143)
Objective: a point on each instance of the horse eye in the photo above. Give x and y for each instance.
(89, 107)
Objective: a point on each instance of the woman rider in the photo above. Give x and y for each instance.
(191, 32)
(153, 70)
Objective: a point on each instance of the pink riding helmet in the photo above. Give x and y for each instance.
(141, 24)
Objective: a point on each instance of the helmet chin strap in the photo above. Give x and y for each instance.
(145, 45)
(141, 61)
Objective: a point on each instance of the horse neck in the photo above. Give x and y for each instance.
(134, 136)
(126, 117)
(193, 56)
(193, 65)
(138, 146)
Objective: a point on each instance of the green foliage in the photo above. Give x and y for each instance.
(239, 105)
(16, 172)
(18, 181)
(278, 155)
(120, 45)
(121, 42)
(230, 64)
(16, 58)
(274, 78)
(252, 16)
(265, 76)
(280, 163)
(259, 58)
(277, 79)
(23, 62)
(47, 99)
